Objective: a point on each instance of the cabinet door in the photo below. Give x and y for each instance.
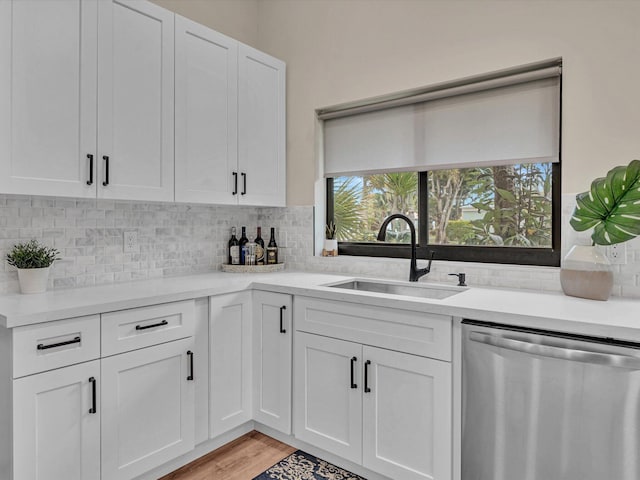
(272, 334)
(261, 129)
(147, 409)
(135, 100)
(407, 416)
(47, 97)
(328, 412)
(230, 356)
(55, 435)
(206, 114)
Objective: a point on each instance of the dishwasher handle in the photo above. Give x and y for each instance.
(575, 355)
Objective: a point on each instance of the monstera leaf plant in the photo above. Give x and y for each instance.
(611, 207)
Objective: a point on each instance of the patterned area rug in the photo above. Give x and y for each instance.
(302, 466)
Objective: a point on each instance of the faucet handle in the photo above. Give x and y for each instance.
(461, 278)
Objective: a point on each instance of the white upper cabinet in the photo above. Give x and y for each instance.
(261, 129)
(206, 114)
(91, 90)
(135, 100)
(47, 97)
(86, 99)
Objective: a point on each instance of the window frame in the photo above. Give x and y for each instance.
(548, 257)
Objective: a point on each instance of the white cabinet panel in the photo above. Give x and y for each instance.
(272, 335)
(201, 374)
(328, 411)
(230, 357)
(206, 114)
(47, 96)
(140, 327)
(261, 128)
(55, 436)
(49, 345)
(148, 409)
(135, 100)
(407, 416)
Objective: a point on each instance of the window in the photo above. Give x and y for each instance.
(494, 214)
(477, 170)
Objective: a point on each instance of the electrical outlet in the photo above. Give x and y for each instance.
(130, 242)
(617, 254)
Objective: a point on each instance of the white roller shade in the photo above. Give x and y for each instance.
(507, 125)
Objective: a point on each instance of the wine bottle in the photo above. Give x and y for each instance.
(243, 241)
(234, 248)
(259, 247)
(272, 249)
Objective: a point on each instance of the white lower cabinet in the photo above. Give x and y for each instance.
(328, 410)
(56, 424)
(406, 415)
(230, 362)
(147, 408)
(272, 334)
(387, 411)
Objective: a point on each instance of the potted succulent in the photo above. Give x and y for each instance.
(612, 208)
(330, 242)
(33, 261)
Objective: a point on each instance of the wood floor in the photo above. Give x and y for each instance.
(242, 459)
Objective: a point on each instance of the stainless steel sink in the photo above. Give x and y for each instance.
(390, 288)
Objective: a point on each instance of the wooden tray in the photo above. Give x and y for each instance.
(252, 268)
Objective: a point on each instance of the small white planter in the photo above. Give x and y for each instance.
(33, 280)
(331, 246)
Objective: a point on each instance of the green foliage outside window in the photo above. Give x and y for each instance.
(492, 206)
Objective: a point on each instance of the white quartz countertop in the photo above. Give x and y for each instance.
(618, 318)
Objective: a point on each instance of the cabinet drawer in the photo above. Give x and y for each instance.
(127, 330)
(424, 334)
(50, 345)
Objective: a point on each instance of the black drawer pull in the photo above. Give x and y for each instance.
(244, 184)
(282, 309)
(93, 408)
(90, 158)
(353, 364)
(366, 376)
(42, 346)
(106, 170)
(153, 325)
(190, 354)
(235, 183)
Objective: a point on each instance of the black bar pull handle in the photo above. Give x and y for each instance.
(282, 309)
(244, 183)
(42, 346)
(235, 183)
(106, 170)
(353, 364)
(90, 158)
(190, 354)
(93, 408)
(366, 376)
(153, 325)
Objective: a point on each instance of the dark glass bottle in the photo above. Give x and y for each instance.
(272, 249)
(259, 247)
(234, 248)
(243, 241)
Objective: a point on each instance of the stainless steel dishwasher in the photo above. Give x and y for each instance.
(540, 405)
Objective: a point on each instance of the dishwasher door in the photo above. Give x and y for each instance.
(547, 406)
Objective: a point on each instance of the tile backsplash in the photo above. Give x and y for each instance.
(179, 239)
(173, 239)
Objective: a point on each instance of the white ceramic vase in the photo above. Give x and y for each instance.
(331, 244)
(586, 273)
(33, 280)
